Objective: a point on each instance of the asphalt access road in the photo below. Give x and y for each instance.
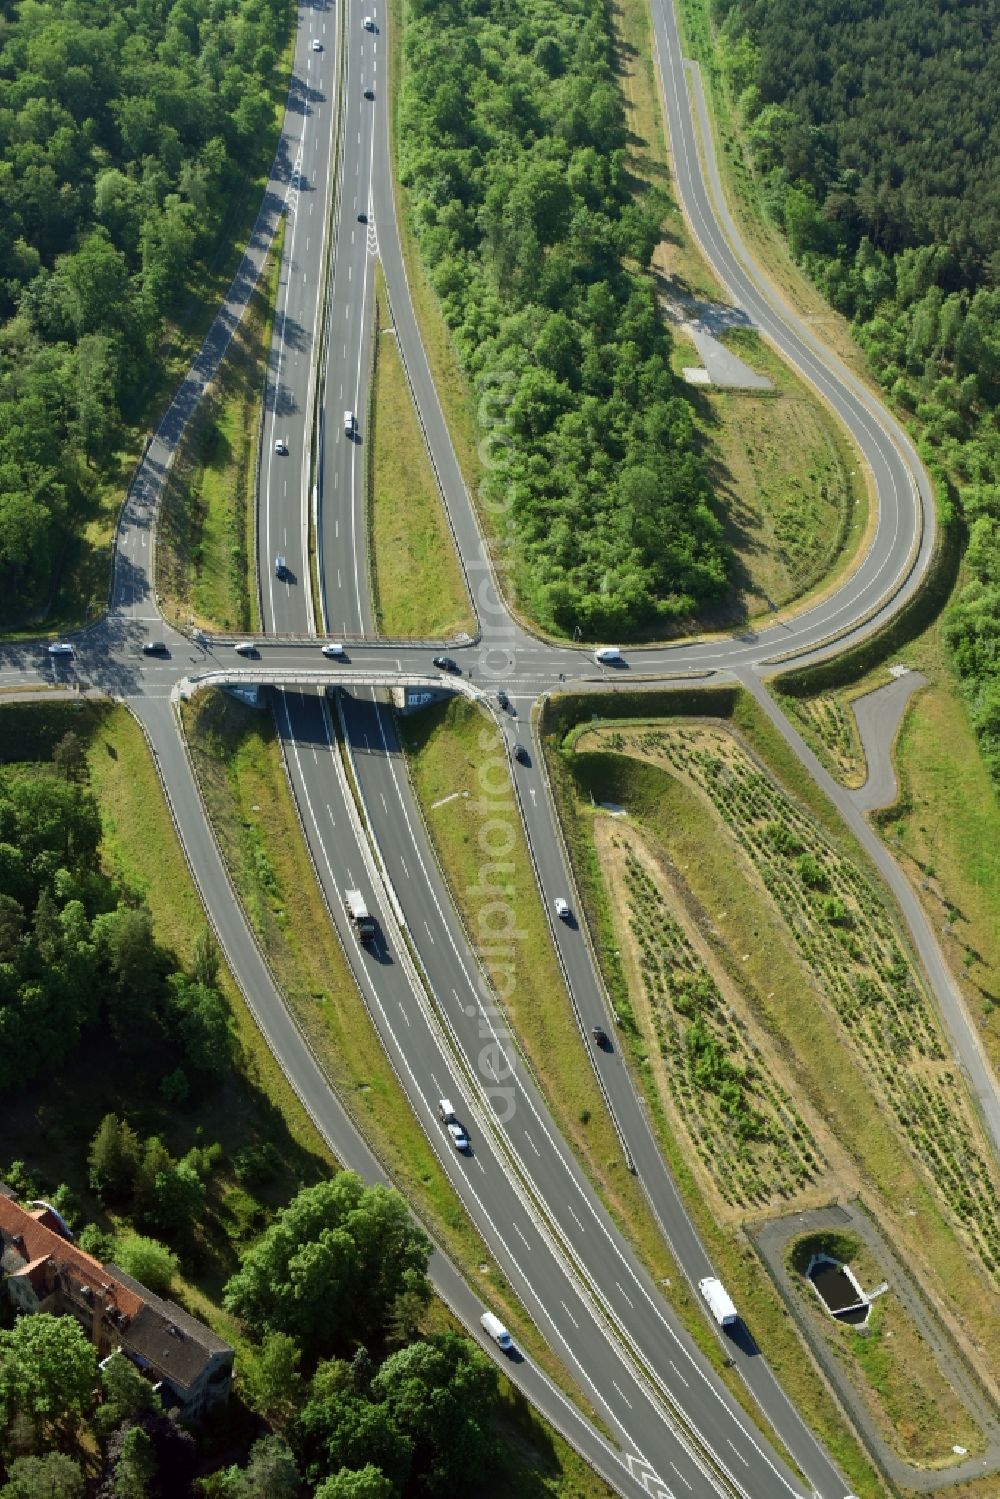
(506, 652)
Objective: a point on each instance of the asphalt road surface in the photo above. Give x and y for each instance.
(573, 1272)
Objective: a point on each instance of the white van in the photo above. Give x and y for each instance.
(494, 1328)
(608, 655)
(349, 423)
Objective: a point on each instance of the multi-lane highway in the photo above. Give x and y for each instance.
(676, 1427)
(619, 1340)
(579, 1279)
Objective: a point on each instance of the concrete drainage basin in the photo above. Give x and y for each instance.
(838, 1290)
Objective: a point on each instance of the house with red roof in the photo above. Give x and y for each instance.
(44, 1271)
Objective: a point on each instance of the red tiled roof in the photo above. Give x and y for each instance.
(46, 1217)
(40, 1243)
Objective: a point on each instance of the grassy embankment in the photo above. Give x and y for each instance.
(50, 1130)
(83, 587)
(238, 761)
(844, 969)
(205, 563)
(944, 827)
(917, 1412)
(686, 833)
(418, 584)
(790, 483)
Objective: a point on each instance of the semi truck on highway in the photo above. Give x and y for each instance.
(719, 1301)
(361, 920)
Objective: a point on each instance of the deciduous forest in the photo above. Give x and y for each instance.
(322, 1278)
(125, 131)
(511, 147)
(875, 133)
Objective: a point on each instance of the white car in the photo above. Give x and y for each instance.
(562, 908)
(317, 45)
(369, 24)
(335, 650)
(245, 648)
(60, 648)
(349, 423)
(280, 446)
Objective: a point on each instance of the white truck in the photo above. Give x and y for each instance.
(494, 1328)
(361, 920)
(719, 1301)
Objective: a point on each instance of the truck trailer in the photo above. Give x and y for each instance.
(361, 920)
(719, 1301)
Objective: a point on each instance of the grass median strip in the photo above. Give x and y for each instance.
(237, 757)
(205, 541)
(419, 585)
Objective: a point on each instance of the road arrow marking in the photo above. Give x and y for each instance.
(643, 1472)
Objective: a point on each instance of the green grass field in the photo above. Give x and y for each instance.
(915, 1407)
(945, 825)
(205, 553)
(418, 582)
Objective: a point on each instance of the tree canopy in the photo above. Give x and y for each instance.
(75, 951)
(48, 1368)
(889, 111)
(511, 147)
(124, 131)
(875, 130)
(331, 1265)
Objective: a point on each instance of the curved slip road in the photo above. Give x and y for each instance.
(507, 653)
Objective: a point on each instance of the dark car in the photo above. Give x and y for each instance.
(369, 93)
(445, 663)
(600, 1036)
(521, 755)
(362, 218)
(503, 699)
(155, 648)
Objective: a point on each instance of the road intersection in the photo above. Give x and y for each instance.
(676, 1426)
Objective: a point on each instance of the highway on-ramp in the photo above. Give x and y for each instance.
(573, 1272)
